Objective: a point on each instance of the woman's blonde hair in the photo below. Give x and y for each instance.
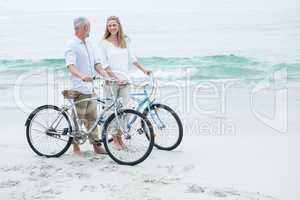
(120, 35)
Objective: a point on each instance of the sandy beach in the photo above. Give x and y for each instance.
(245, 160)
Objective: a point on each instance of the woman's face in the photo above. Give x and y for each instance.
(113, 27)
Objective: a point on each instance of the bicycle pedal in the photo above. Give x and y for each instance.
(98, 142)
(127, 137)
(65, 131)
(140, 131)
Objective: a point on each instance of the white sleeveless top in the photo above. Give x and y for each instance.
(118, 59)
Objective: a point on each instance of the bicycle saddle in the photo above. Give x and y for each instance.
(70, 94)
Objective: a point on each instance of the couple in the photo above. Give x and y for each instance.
(111, 62)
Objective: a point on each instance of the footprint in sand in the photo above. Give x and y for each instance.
(169, 168)
(239, 195)
(79, 175)
(96, 159)
(50, 191)
(188, 168)
(153, 198)
(232, 192)
(9, 183)
(195, 189)
(228, 193)
(82, 175)
(18, 196)
(218, 193)
(46, 167)
(109, 187)
(163, 181)
(46, 193)
(11, 168)
(255, 196)
(109, 168)
(89, 188)
(77, 163)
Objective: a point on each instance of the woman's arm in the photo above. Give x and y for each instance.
(134, 60)
(101, 71)
(110, 73)
(142, 68)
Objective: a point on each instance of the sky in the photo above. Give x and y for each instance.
(153, 5)
(205, 27)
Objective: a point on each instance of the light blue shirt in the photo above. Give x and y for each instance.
(82, 55)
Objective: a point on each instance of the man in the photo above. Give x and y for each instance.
(81, 61)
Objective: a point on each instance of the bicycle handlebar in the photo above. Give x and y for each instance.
(114, 81)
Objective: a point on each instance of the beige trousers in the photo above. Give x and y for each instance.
(87, 112)
(112, 91)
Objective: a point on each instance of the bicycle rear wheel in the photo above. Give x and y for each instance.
(47, 131)
(167, 126)
(133, 135)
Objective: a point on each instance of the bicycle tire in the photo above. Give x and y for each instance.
(29, 123)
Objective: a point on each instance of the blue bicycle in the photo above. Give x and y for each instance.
(167, 126)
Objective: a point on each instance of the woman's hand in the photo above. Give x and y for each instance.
(108, 78)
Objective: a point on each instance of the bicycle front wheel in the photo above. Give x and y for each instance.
(167, 126)
(47, 131)
(127, 128)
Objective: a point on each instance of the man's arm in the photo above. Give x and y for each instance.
(70, 58)
(74, 71)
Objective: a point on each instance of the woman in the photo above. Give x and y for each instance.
(116, 58)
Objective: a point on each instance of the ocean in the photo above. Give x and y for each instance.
(216, 67)
(207, 44)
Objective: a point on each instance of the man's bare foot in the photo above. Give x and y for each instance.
(98, 149)
(76, 149)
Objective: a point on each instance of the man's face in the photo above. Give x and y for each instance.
(87, 28)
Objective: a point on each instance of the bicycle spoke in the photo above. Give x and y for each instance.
(167, 127)
(50, 141)
(137, 145)
(40, 124)
(38, 130)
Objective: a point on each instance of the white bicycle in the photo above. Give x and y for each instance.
(50, 130)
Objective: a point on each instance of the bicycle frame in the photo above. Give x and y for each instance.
(144, 103)
(72, 105)
(99, 120)
(147, 103)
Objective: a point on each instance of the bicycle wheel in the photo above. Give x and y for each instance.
(47, 131)
(167, 126)
(133, 135)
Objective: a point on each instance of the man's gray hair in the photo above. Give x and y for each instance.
(79, 21)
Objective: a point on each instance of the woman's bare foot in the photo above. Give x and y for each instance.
(116, 142)
(120, 140)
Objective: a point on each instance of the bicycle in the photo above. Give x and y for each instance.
(164, 119)
(58, 130)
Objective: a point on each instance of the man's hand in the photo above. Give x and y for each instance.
(86, 79)
(148, 72)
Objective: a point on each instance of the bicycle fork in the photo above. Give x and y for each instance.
(155, 117)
